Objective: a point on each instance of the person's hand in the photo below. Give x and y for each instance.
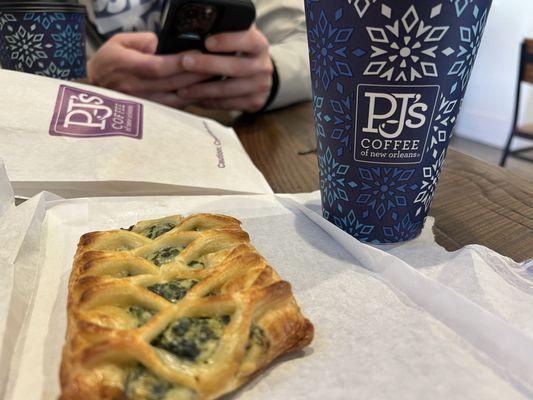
(248, 75)
(127, 63)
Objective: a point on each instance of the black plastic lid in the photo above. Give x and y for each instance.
(42, 5)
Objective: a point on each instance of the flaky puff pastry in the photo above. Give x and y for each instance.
(172, 309)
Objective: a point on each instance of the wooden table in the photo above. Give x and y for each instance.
(476, 203)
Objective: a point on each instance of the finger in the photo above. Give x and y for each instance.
(154, 66)
(145, 42)
(251, 103)
(228, 88)
(233, 66)
(170, 99)
(177, 82)
(134, 85)
(251, 41)
(151, 66)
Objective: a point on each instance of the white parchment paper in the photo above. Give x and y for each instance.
(20, 266)
(401, 324)
(7, 197)
(179, 154)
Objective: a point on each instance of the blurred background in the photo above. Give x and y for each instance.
(488, 109)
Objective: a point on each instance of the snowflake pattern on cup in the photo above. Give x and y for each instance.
(341, 117)
(461, 6)
(50, 44)
(360, 50)
(361, 6)
(329, 53)
(26, 46)
(318, 104)
(332, 180)
(384, 191)
(442, 124)
(53, 71)
(336, 118)
(468, 48)
(353, 226)
(406, 48)
(67, 44)
(6, 18)
(46, 19)
(406, 229)
(428, 188)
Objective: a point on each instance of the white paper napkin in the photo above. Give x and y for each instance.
(509, 347)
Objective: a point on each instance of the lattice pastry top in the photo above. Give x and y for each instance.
(172, 309)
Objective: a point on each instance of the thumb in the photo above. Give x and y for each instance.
(145, 42)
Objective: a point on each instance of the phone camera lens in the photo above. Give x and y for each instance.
(209, 12)
(191, 13)
(196, 19)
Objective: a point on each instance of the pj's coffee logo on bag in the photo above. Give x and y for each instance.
(393, 123)
(84, 114)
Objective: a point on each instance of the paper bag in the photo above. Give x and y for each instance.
(78, 141)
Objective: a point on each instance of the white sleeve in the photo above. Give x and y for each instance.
(283, 23)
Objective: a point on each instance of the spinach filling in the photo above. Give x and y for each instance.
(257, 338)
(174, 291)
(141, 384)
(192, 339)
(157, 230)
(164, 256)
(141, 315)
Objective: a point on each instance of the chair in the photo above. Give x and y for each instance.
(525, 131)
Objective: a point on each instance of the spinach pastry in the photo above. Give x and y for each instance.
(174, 309)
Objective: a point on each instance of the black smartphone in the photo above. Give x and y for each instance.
(186, 24)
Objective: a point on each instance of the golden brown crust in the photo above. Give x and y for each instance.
(111, 272)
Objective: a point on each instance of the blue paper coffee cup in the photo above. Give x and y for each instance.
(388, 79)
(43, 37)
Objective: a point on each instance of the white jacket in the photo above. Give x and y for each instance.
(282, 22)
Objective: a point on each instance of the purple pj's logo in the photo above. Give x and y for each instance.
(84, 114)
(388, 79)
